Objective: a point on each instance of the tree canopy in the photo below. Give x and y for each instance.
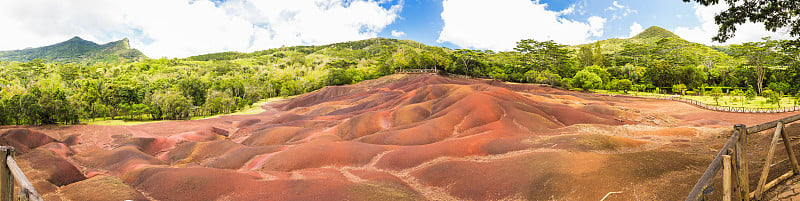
(775, 14)
(46, 92)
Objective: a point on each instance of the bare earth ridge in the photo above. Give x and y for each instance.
(400, 137)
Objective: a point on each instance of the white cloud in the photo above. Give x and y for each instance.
(398, 34)
(636, 28)
(567, 11)
(619, 11)
(746, 32)
(596, 25)
(501, 23)
(616, 4)
(189, 27)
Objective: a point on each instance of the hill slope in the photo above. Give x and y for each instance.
(77, 50)
(649, 36)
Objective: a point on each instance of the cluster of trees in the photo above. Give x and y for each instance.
(41, 92)
(662, 64)
(45, 93)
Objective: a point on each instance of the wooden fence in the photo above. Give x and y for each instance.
(435, 71)
(10, 172)
(732, 159)
(416, 71)
(713, 107)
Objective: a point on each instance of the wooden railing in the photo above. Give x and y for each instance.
(732, 158)
(713, 107)
(416, 71)
(10, 172)
(435, 71)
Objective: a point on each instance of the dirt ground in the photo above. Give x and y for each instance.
(400, 137)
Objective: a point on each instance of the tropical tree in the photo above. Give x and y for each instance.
(716, 93)
(547, 55)
(750, 94)
(774, 14)
(587, 80)
(679, 88)
(624, 85)
(468, 59)
(759, 56)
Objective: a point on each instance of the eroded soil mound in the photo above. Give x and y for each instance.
(400, 137)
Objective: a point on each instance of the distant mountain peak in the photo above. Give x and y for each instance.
(76, 49)
(655, 32)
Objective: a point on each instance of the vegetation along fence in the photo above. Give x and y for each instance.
(435, 71)
(10, 172)
(715, 107)
(732, 159)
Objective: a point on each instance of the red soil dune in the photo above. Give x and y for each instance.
(400, 137)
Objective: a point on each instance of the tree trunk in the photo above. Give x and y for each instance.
(759, 78)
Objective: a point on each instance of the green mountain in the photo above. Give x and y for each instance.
(649, 36)
(77, 50)
(656, 33)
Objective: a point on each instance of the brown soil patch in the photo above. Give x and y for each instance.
(100, 188)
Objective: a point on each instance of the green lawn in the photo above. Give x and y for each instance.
(759, 102)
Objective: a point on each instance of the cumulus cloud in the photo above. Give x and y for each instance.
(501, 23)
(707, 29)
(398, 34)
(596, 25)
(636, 28)
(189, 27)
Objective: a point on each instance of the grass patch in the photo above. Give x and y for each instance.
(731, 101)
(117, 122)
(255, 108)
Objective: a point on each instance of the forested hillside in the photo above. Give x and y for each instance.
(77, 50)
(44, 92)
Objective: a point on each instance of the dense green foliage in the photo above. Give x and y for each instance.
(41, 92)
(77, 50)
(774, 14)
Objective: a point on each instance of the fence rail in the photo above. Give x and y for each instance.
(10, 172)
(732, 159)
(713, 107)
(416, 70)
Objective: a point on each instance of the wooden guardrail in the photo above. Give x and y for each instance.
(732, 159)
(435, 71)
(416, 71)
(10, 172)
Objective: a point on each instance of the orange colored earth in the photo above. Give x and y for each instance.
(400, 137)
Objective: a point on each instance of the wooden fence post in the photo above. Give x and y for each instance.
(726, 178)
(6, 178)
(768, 162)
(741, 162)
(788, 145)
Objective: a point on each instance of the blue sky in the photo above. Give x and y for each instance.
(421, 20)
(181, 28)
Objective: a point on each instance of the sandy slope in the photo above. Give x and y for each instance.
(400, 137)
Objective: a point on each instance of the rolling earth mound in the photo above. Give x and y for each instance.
(400, 137)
